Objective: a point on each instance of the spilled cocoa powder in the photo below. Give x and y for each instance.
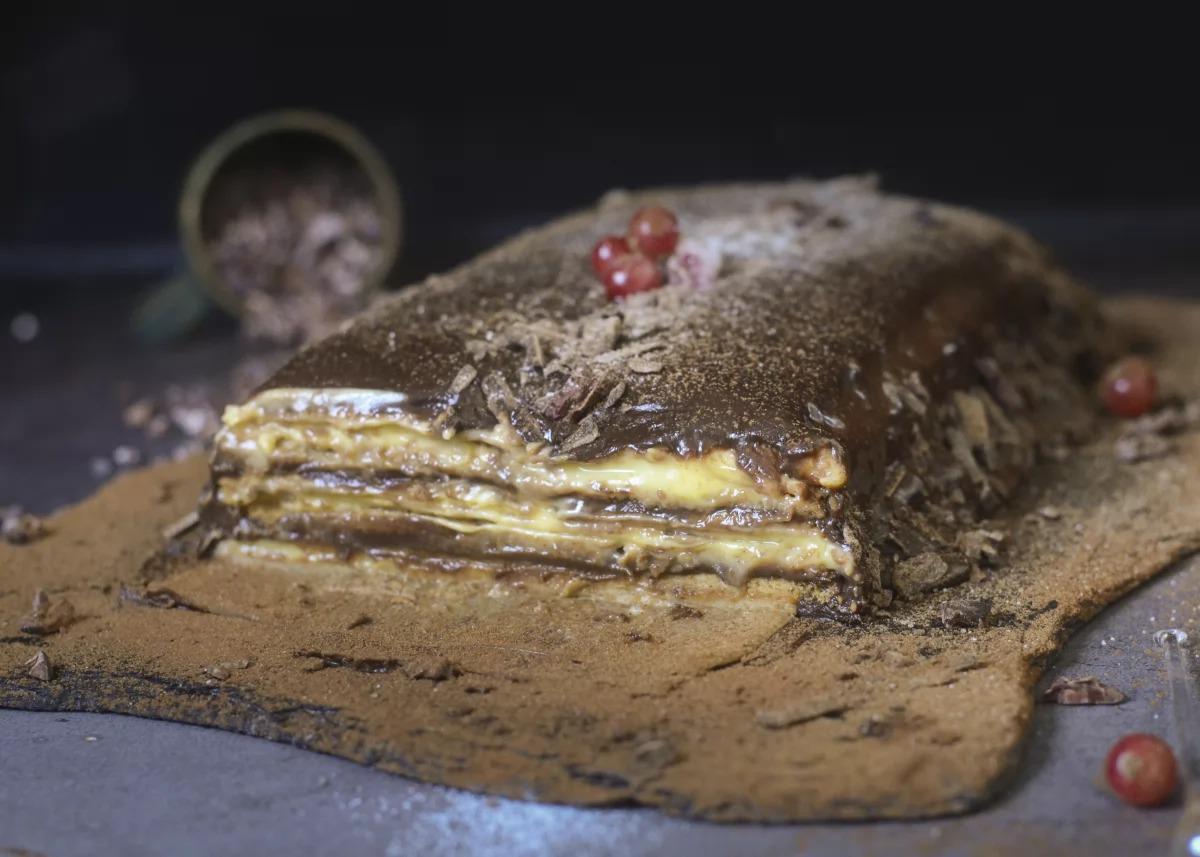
(714, 707)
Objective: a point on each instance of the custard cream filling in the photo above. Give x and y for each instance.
(336, 430)
(491, 493)
(484, 513)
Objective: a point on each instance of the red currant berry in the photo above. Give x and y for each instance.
(1129, 387)
(631, 274)
(607, 250)
(654, 231)
(1141, 770)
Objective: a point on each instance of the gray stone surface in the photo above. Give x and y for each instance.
(86, 784)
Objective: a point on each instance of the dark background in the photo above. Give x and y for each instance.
(492, 127)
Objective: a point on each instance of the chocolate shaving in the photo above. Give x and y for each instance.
(614, 395)
(1133, 448)
(39, 666)
(181, 526)
(48, 616)
(981, 546)
(587, 432)
(1082, 691)
(21, 528)
(1148, 437)
(801, 712)
(644, 365)
(162, 598)
(927, 572)
(499, 396)
(223, 670)
(966, 613)
(466, 375)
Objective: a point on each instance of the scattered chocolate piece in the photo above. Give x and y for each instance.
(801, 712)
(683, 611)
(165, 599)
(1082, 691)
(178, 528)
(435, 669)
(925, 573)
(39, 666)
(20, 528)
(644, 365)
(966, 613)
(1132, 448)
(875, 726)
(223, 670)
(47, 615)
(1147, 437)
(462, 380)
(981, 546)
(359, 622)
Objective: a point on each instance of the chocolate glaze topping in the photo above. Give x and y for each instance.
(820, 287)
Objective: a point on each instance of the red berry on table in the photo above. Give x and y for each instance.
(607, 250)
(654, 231)
(1141, 769)
(631, 274)
(1129, 387)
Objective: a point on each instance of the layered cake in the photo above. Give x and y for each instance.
(815, 384)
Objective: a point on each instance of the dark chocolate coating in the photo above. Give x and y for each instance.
(824, 287)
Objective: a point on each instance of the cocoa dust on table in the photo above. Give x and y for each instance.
(713, 708)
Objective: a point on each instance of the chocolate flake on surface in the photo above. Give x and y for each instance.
(39, 666)
(1153, 435)
(926, 572)
(801, 712)
(1082, 691)
(966, 612)
(161, 597)
(18, 527)
(48, 615)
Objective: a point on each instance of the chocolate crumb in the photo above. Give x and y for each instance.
(462, 380)
(359, 622)
(644, 365)
(163, 598)
(1082, 691)
(981, 546)
(39, 666)
(225, 669)
(1133, 448)
(926, 572)
(181, 526)
(47, 615)
(20, 528)
(966, 613)
(801, 712)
